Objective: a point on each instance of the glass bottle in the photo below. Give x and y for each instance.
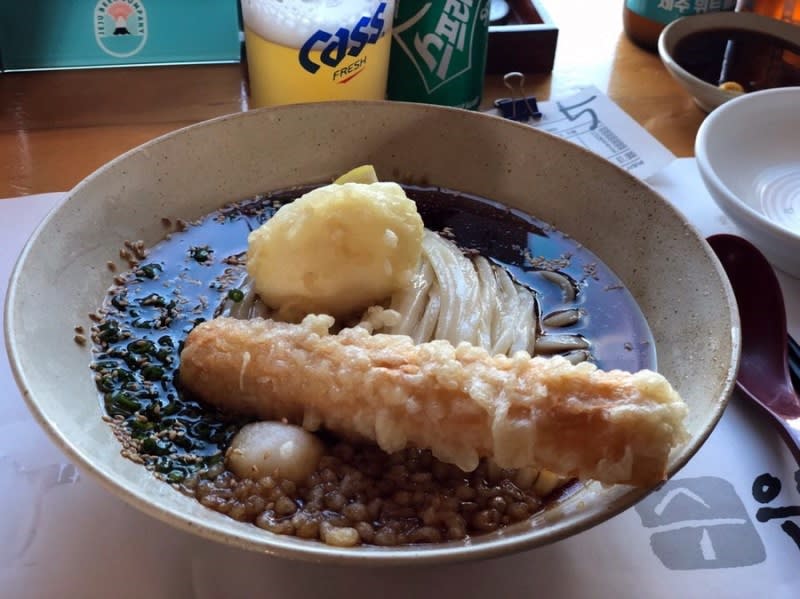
(644, 20)
(785, 10)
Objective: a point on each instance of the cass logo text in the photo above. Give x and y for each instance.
(334, 48)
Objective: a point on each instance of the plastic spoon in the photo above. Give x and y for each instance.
(763, 371)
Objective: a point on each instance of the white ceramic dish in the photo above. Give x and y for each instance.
(62, 275)
(708, 96)
(748, 153)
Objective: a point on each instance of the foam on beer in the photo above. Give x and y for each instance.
(291, 22)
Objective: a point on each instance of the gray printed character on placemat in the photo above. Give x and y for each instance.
(766, 488)
(700, 524)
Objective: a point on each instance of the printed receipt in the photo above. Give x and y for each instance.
(590, 119)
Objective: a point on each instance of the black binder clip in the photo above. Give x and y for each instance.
(518, 107)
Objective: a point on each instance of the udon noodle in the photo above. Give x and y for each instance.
(455, 298)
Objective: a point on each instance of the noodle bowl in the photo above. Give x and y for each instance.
(660, 258)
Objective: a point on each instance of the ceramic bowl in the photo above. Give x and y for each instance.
(708, 96)
(748, 153)
(61, 276)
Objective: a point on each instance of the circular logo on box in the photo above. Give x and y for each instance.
(120, 27)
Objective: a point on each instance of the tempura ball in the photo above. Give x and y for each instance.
(361, 174)
(336, 250)
(274, 449)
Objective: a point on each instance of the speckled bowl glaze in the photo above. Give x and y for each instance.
(62, 276)
(707, 96)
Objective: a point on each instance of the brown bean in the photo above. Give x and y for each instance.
(255, 505)
(457, 531)
(511, 491)
(466, 493)
(328, 462)
(426, 534)
(430, 516)
(385, 487)
(365, 531)
(328, 475)
(211, 501)
(285, 506)
(450, 504)
(352, 484)
(306, 527)
(238, 511)
(339, 536)
(398, 473)
(498, 503)
(486, 520)
(204, 487)
(402, 498)
(421, 477)
(468, 507)
(400, 512)
(335, 501)
(268, 521)
(518, 511)
(356, 512)
(385, 537)
(265, 484)
(374, 508)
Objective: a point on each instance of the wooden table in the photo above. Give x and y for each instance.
(57, 127)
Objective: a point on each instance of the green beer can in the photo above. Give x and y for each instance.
(439, 52)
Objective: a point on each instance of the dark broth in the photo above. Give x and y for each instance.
(755, 61)
(185, 278)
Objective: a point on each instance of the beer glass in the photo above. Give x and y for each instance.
(317, 50)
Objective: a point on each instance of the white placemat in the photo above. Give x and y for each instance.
(702, 535)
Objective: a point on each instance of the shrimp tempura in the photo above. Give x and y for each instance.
(460, 402)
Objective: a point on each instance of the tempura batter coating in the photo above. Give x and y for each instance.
(459, 402)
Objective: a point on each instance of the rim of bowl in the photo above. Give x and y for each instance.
(742, 21)
(575, 521)
(706, 163)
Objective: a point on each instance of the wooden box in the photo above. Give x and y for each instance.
(525, 42)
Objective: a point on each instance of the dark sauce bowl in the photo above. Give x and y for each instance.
(702, 52)
(62, 276)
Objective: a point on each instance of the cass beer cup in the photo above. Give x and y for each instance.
(439, 52)
(317, 50)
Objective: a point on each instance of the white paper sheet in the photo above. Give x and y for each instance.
(590, 119)
(698, 537)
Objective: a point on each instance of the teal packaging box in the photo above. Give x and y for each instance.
(64, 34)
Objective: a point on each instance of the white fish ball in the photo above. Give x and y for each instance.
(274, 449)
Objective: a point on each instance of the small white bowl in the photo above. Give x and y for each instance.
(708, 96)
(748, 152)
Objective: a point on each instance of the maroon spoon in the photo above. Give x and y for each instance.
(763, 370)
